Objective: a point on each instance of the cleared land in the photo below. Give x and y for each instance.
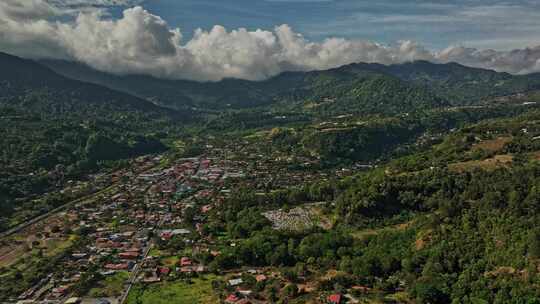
(487, 164)
(198, 291)
(492, 145)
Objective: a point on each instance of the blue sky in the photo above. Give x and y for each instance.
(436, 24)
(121, 37)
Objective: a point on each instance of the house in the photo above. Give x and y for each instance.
(73, 301)
(206, 208)
(166, 236)
(60, 291)
(235, 282)
(334, 298)
(128, 255)
(244, 292)
(261, 278)
(79, 255)
(164, 271)
(122, 266)
(232, 298)
(361, 288)
(188, 269)
(185, 261)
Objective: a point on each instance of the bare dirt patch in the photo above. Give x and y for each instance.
(489, 164)
(492, 145)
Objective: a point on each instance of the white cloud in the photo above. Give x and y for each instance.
(94, 3)
(142, 43)
(30, 9)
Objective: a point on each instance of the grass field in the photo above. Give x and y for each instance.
(57, 246)
(111, 286)
(170, 261)
(179, 292)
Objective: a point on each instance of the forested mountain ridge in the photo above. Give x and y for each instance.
(22, 81)
(457, 83)
(434, 84)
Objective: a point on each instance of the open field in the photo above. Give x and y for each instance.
(199, 291)
(111, 286)
(493, 163)
(492, 145)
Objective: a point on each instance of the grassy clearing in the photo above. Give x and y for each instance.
(57, 246)
(19, 252)
(170, 261)
(364, 233)
(179, 292)
(111, 286)
(154, 252)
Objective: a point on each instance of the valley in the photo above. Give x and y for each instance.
(361, 184)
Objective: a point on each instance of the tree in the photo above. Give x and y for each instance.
(290, 291)
(534, 244)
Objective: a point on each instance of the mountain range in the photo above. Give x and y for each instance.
(406, 86)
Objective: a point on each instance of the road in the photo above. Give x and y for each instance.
(138, 266)
(134, 275)
(54, 211)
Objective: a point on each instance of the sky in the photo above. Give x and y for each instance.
(436, 24)
(208, 40)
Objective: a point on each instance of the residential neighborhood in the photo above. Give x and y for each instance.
(147, 227)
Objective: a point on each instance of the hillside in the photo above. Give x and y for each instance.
(450, 223)
(23, 81)
(356, 87)
(456, 83)
(177, 94)
(53, 129)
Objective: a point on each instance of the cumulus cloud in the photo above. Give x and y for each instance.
(142, 43)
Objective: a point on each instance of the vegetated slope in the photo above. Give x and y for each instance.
(416, 228)
(341, 91)
(23, 81)
(379, 87)
(53, 129)
(454, 82)
(177, 94)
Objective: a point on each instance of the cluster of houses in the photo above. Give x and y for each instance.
(118, 230)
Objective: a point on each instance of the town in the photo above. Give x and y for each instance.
(149, 227)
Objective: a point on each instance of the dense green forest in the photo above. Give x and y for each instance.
(443, 234)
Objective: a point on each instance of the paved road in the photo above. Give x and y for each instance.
(138, 267)
(134, 275)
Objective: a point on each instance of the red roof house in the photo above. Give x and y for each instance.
(164, 271)
(232, 299)
(185, 261)
(128, 255)
(335, 298)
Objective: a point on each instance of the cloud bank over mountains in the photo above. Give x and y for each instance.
(142, 43)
